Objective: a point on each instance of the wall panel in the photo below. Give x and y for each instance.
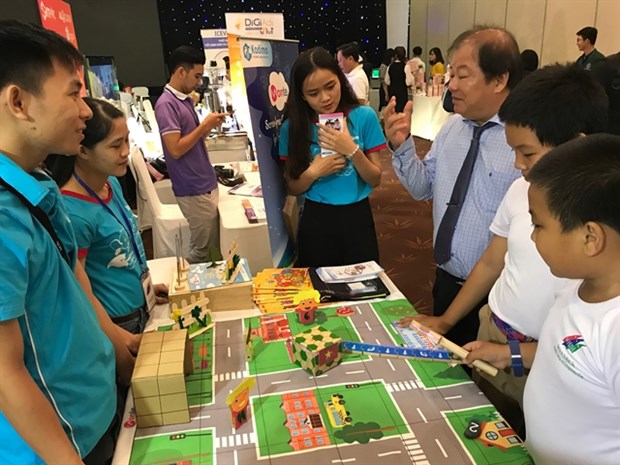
(417, 25)
(437, 25)
(492, 12)
(608, 25)
(461, 17)
(526, 19)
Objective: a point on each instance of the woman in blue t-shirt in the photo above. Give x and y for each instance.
(107, 235)
(336, 225)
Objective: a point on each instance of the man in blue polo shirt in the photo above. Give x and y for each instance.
(57, 383)
(194, 182)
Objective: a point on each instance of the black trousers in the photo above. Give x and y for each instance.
(445, 289)
(333, 235)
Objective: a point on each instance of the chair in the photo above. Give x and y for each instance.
(167, 218)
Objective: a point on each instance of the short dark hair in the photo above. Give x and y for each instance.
(352, 49)
(388, 55)
(557, 103)
(28, 52)
(300, 115)
(589, 32)
(498, 52)
(530, 60)
(417, 50)
(185, 57)
(400, 53)
(581, 181)
(97, 129)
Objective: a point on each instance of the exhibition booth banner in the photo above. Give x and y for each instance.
(267, 66)
(259, 25)
(56, 16)
(215, 44)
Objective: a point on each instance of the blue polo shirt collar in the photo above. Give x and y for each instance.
(25, 183)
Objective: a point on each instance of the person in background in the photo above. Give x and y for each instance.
(552, 106)
(348, 56)
(586, 38)
(607, 72)
(336, 225)
(194, 181)
(416, 62)
(473, 193)
(435, 59)
(57, 383)
(108, 238)
(398, 79)
(572, 395)
(388, 58)
(530, 61)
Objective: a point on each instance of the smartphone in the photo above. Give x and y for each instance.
(362, 287)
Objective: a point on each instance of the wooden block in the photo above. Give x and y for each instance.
(172, 418)
(147, 405)
(152, 337)
(174, 402)
(171, 384)
(147, 421)
(175, 344)
(174, 336)
(151, 358)
(145, 387)
(150, 348)
(173, 356)
(166, 369)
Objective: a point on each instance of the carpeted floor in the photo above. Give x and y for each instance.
(405, 233)
(404, 230)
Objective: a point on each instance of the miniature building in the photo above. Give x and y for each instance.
(303, 420)
(316, 350)
(274, 327)
(158, 381)
(499, 434)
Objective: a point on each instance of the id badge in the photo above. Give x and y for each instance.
(147, 288)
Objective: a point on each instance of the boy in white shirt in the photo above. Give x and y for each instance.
(546, 109)
(572, 397)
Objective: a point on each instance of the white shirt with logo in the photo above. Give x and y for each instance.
(359, 82)
(572, 395)
(526, 289)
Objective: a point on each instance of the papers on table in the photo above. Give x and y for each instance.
(349, 273)
(247, 189)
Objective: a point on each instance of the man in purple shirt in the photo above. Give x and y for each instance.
(193, 178)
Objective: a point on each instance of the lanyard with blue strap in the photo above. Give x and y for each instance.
(127, 224)
(145, 278)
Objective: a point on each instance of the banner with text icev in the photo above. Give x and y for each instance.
(266, 68)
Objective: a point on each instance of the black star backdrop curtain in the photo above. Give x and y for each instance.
(325, 23)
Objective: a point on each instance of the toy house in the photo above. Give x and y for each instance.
(158, 381)
(316, 350)
(212, 281)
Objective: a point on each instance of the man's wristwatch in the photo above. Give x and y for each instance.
(517, 360)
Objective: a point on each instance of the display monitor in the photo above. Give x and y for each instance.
(375, 73)
(101, 79)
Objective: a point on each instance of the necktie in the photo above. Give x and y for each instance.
(443, 241)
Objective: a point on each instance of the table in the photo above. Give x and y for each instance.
(428, 116)
(253, 239)
(401, 411)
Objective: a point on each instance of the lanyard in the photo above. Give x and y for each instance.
(42, 217)
(127, 225)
